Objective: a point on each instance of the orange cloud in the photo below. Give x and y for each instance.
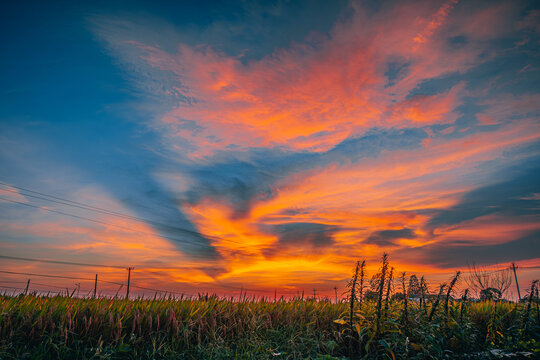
(312, 96)
(375, 194)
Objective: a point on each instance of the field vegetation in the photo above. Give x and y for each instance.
(401, 320)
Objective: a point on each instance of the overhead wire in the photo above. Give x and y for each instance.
(60, 262)
(72, 203)
(238, 288)
(120, 226)
(68, 202)
(57, 276)
(106, 223)
(62, 201)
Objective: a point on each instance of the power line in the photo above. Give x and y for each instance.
(11, 287)
(73, 203)
(151, 272)
(66, 214)
(103, 211)
(49, 285)
(78, 278)
(44, 275)
(83, 206)
(60, 262)
(138, 267)
(57, 276)
(135, 286)
(116, 225)
(68, 202)
(99, 221)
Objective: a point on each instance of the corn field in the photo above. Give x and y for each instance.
(40, 327)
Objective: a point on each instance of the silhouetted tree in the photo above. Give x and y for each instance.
(480, 279)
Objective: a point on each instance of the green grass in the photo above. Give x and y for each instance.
(36, 327)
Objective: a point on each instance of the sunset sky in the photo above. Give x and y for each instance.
(223, 145)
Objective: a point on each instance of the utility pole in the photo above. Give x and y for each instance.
(314, 295)
(335, 290)
(95, 287)
(129, 278)
(27, 285)
(517, 284)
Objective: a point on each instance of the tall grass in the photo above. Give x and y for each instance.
(422, 293)
(405, 316)
(462, 305)
(388, 289)
(436, 303)
(380, 289)
(352, 298)
(463, 330)
(210, 327)
(449, 292)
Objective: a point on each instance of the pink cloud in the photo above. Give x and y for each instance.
(11, 193)
(313, 95)
(437, 20)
